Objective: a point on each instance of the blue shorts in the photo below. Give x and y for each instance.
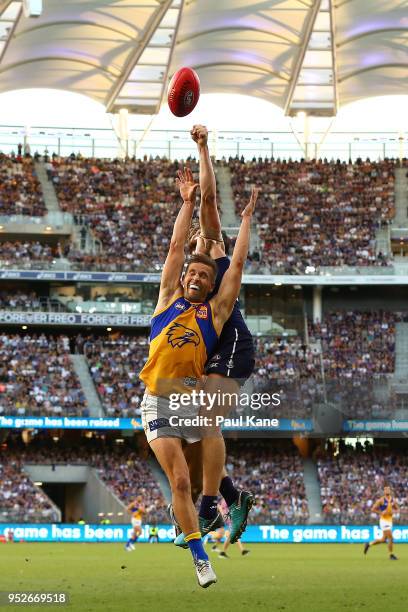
(233, 357)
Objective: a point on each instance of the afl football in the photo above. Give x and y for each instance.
(183, 92)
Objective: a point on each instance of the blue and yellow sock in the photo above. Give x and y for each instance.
(196, 547)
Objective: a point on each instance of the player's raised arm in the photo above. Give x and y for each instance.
(173, 266)
(209, 218)
(228, 293)
(376, 506)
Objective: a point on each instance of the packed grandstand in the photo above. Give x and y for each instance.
(312, 216)
(349, 356)
(350, 478)
(128, 207)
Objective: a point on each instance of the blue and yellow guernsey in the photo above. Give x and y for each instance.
(137, 511)
(182, 337)
(386, 508)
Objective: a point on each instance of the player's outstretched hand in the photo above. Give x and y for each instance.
(250, 207)
(199, 134)
(186, 184)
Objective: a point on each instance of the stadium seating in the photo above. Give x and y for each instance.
(20, 189)
(358, 352)
(314, 213)
(124, 471)
(129, 206)
(274, 474)
(353, 480)
(115, 364)
(310, 214)
(24, 301)
(355, 349)
(37, 377)
(130, 476)
(285, 365)
(20, 500)
(28, 254)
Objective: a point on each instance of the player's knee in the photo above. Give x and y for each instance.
(181, 484)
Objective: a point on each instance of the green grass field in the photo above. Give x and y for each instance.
(291, 578)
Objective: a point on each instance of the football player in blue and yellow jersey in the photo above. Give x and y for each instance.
(385, 507)
(185, 329)
(136, 509)
(228, 367)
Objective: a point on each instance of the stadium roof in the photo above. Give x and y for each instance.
(302, 55)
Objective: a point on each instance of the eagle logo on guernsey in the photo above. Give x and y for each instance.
(179, 335)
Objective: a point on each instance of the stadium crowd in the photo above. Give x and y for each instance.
(348, 361)
(28, 253)
(354, 350)
(317, 213)
(124, 471)
(274, 474)
(353, 479)
(37, 377)
(20, 189)
(115, 363)
(358, 352)
(129, 206)
(286, 365)
(20, 499)
(20, 300)
(310, 214)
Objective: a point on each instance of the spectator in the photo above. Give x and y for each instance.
(354, 478)
(38, 377)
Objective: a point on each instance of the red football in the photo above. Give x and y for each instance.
(183, 92)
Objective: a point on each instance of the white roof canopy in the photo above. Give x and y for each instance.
(303, 55)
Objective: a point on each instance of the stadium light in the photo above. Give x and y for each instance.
(32, 8)
(38, 484)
